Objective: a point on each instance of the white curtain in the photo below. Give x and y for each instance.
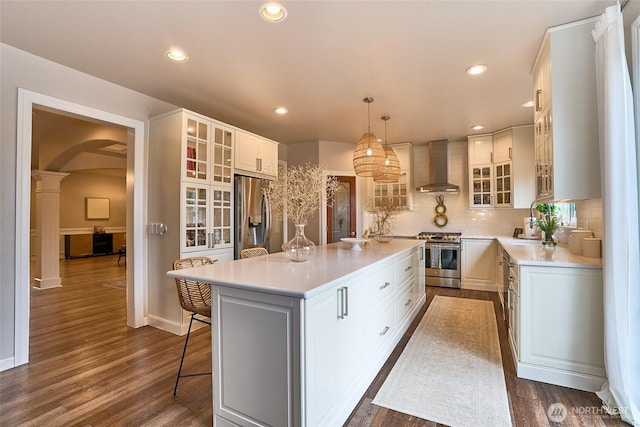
(621, 252)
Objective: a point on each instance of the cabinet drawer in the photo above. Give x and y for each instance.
(405, 268)
(381, 285)
(405, 303)
(380, 328)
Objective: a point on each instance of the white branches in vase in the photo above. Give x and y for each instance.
(298, 193)
(383, 216)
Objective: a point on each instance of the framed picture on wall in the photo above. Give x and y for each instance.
(97, 208)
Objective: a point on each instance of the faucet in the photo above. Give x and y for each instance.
(531, 213)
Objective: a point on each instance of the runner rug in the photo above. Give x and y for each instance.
(450, 371)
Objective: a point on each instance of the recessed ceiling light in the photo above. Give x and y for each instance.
(281, 110)
(476, 69)
(273, 12)
(527, 104)
(176, 55)
(477, 127)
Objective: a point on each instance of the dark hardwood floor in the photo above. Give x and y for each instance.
(87, 368)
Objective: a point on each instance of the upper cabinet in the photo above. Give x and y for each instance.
(399, 193)
(480, 149)
(567, 161)
(207, 150)
(256, 155)
(501, 171)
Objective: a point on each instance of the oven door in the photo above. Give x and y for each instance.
(447, 264)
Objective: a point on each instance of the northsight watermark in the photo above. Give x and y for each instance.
(558, 412)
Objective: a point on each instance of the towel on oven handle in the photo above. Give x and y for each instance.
(436, 256)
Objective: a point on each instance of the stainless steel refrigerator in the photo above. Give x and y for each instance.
(252, 214)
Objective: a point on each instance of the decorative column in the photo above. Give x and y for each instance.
(47, 245)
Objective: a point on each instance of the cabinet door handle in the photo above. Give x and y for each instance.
(538, 100)
(407, 303)
(345, 309)
(510, 153)
(421, 253)
(407, 269)
(340, 303)
(385, 330)
(492, 157)
(385, 285)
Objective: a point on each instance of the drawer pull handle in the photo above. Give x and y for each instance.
(407, 303)
(385, 330)
(407, 269)
(385, 285)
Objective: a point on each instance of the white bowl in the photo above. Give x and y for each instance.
(355, 242)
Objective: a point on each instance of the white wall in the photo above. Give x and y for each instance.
(19, 69)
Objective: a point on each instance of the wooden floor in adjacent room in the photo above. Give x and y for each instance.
(88, 368)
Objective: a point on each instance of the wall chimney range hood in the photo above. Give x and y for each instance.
(439, 170)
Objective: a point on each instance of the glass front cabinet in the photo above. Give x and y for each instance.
(207, 213)
(207, 151)
(207, 188)
(481, 186)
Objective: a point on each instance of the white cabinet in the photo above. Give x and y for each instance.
(478, 264)
(190, 192)
(514, 169)
(256, 155)
(480, 153)
(401, 192)
(567, 163)
(557, 330)
(480, 149)
(207, 217)
(288, 361)
(207, 150)
(502, 145)
(501, 169)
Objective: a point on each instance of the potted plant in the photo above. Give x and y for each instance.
(298, 193)
(548, 223)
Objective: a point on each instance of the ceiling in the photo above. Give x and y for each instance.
(320, 63)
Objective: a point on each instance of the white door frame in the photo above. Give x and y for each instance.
(136, 212)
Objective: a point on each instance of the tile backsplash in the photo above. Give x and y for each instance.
(589, 213)
(484, 222)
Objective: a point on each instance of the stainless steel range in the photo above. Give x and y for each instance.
(442, 258)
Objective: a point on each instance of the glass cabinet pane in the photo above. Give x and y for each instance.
(197, 146)
(221, 153)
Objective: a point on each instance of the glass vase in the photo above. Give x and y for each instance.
(548, 240)
(383, 234)
(299, 248)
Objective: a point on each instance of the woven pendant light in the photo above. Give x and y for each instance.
(368, 157)
(390, 172)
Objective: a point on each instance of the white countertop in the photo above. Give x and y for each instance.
(276, 274)
(530, 252)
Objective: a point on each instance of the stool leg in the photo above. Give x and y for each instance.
(184, 350)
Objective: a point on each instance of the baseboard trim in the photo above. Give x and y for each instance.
(171, 326)
(575, 380)
(479, 287)
(8, 363)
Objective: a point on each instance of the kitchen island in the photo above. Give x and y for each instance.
(297, 344)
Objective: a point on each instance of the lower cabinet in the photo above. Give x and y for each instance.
(558, 326)
(478, 264)
(288, 361)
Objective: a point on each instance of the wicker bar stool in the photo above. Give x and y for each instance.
(253, 252)
(194, 297)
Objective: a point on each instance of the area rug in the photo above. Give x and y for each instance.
(450, 372)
